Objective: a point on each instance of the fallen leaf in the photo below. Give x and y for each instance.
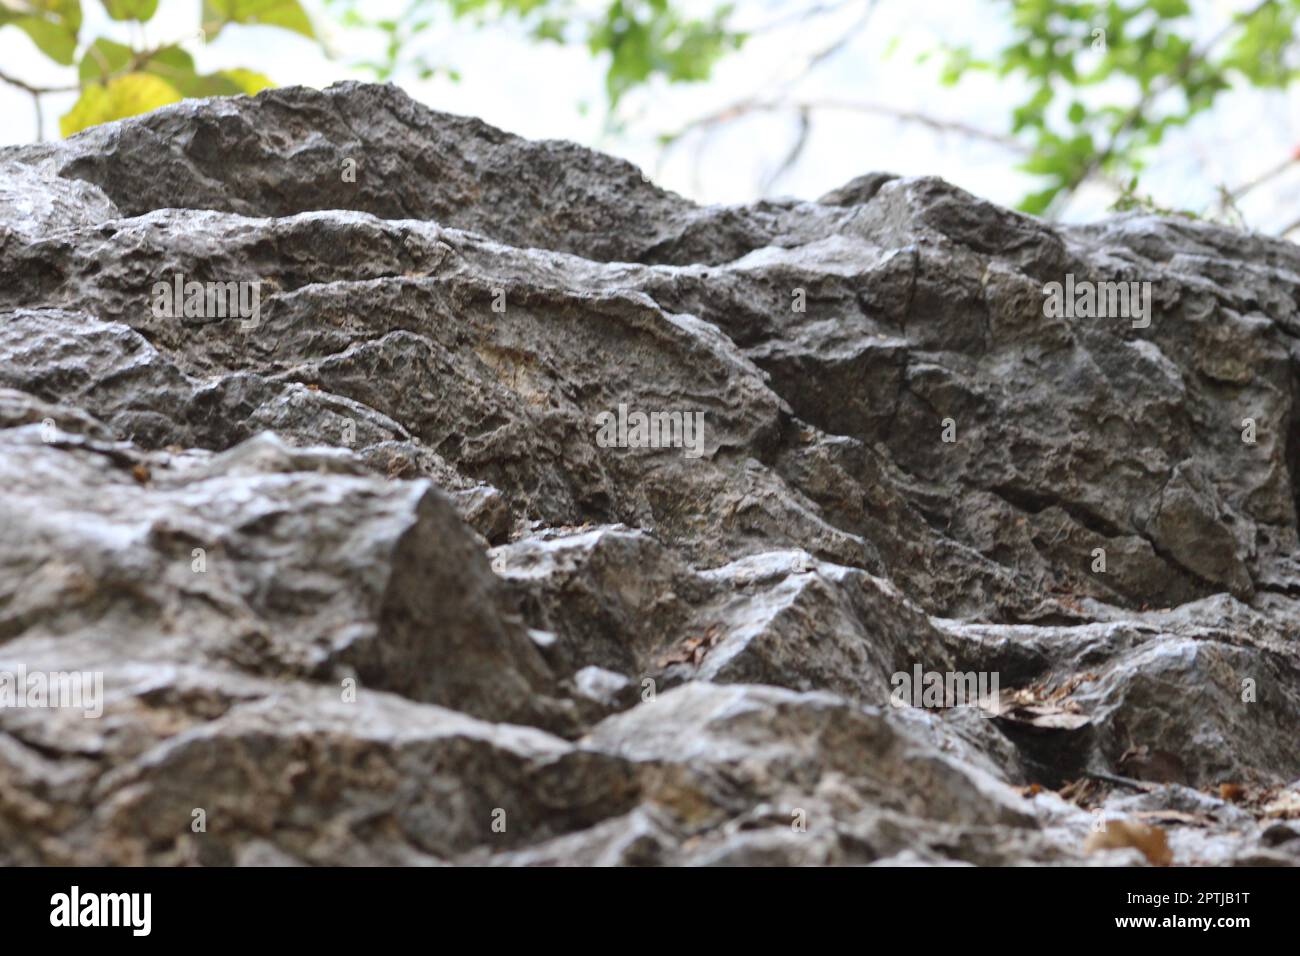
(1019, 708)
(1083, 792)
(1070, 686)
(1233, 792)
(1285, 806)
(693, 649)
(1119, 834)
(1042, 706)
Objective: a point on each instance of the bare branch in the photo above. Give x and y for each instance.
(1264, 177)
(35, 90)
(795, 151)
(817, 10)
(779, 99)
(737, 110)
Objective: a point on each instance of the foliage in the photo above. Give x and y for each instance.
(1104, 80)
(51, 24)
(1108, 79)
(1130, 199)
(117, 80)
(642, 39)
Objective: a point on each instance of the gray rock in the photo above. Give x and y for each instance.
(364, 582)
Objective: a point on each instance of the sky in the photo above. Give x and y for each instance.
(551, 91)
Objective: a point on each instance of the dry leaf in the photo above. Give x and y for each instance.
(1083, 792)
(1042, 707)
(1041, 716)
(693, 649)
(1070, 686)
(1285, 806)
(1149, 839)
(1232, 792)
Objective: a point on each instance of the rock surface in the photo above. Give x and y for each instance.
(364, 583)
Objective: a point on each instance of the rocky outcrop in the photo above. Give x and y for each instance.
(363, 546)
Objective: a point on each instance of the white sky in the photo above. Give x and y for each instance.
(537, 91)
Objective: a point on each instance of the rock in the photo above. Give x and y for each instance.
(377, 562)
(198, 561)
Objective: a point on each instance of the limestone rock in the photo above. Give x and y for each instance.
(365, 579)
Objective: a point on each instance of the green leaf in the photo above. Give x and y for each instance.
(141, 10)
(248, 81)
(287, 14)
(1170, 9)
(66, 12)
(549, 28)
(1036, 203)
(102, 59)
(177, 67)
(125, 96)
(105, 60)
(665, 44)
(51, 24)
(54, 40)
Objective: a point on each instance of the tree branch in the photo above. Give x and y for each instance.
(817, 10)
(744, 107)
(1264, 177)
(35, 90)
(36, 93)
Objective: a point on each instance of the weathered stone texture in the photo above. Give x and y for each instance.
(364, 587)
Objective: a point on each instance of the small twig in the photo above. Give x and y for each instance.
(1120, 781)
(922, 119)
(736, 110)
(783, 86)
(817, 10)
(1264, 177)
(1065, 529)
(36, 93)
(35, 90)
(1228, 207)
(828, 51)
(793, 154)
